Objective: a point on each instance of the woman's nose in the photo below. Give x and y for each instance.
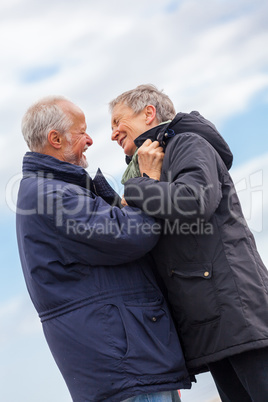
(115, 134)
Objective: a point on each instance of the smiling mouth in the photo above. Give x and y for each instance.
(121, 142)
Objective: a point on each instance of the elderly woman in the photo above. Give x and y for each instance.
(207, 258)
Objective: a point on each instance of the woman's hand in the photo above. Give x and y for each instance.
(150, 157)
(123, 201)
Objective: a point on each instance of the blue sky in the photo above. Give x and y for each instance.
(246, 132)
(208, 56)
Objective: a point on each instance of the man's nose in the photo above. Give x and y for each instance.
(89, 141)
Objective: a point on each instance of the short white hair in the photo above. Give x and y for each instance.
(143, 95)
(43, 116)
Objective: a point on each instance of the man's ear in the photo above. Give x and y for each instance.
(55, 139)
(150, 112)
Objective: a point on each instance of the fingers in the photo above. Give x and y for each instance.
(150, 159)
(123, 201)
(147, 143)
(148, 146)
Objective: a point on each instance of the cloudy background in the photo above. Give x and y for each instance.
(208, 55)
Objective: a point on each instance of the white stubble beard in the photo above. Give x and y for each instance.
(71, 158)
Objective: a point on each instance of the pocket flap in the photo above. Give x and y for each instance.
(193, 270)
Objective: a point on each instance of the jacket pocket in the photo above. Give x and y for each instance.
(154, 348)
(149, 318)
(126, 324)
(141, 337)
(193, 294)
(114, 330)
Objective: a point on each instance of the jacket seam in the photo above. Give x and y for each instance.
(77, 304)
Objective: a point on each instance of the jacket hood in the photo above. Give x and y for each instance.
(189, 123)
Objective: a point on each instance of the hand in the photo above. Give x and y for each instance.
(123, 201)
(150, 157)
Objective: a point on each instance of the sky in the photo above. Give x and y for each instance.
(208, 55)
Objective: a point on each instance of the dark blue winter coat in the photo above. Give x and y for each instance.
(104, 317)
(217, 283)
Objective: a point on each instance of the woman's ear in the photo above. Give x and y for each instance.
(150, 112)
(55, 139)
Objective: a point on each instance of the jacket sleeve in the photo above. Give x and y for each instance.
(193, 188)
(92, 232)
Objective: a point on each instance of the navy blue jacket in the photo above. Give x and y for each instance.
(105, 320)
(217, 283)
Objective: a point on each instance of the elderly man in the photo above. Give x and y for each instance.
(217, 284)
(103, 315)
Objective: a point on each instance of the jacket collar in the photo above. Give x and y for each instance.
(192, 123)
(155, 133)
(40, 165)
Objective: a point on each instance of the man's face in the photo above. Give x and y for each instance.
(76, 141)
(127, 126)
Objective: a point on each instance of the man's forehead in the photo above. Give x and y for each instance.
(70, 107)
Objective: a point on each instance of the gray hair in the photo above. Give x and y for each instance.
(137, 99)
(42, 117)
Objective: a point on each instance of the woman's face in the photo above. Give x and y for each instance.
(127, 126)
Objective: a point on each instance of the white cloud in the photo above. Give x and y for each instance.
(207, 56)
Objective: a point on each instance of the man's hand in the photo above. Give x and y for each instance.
(150, 157)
